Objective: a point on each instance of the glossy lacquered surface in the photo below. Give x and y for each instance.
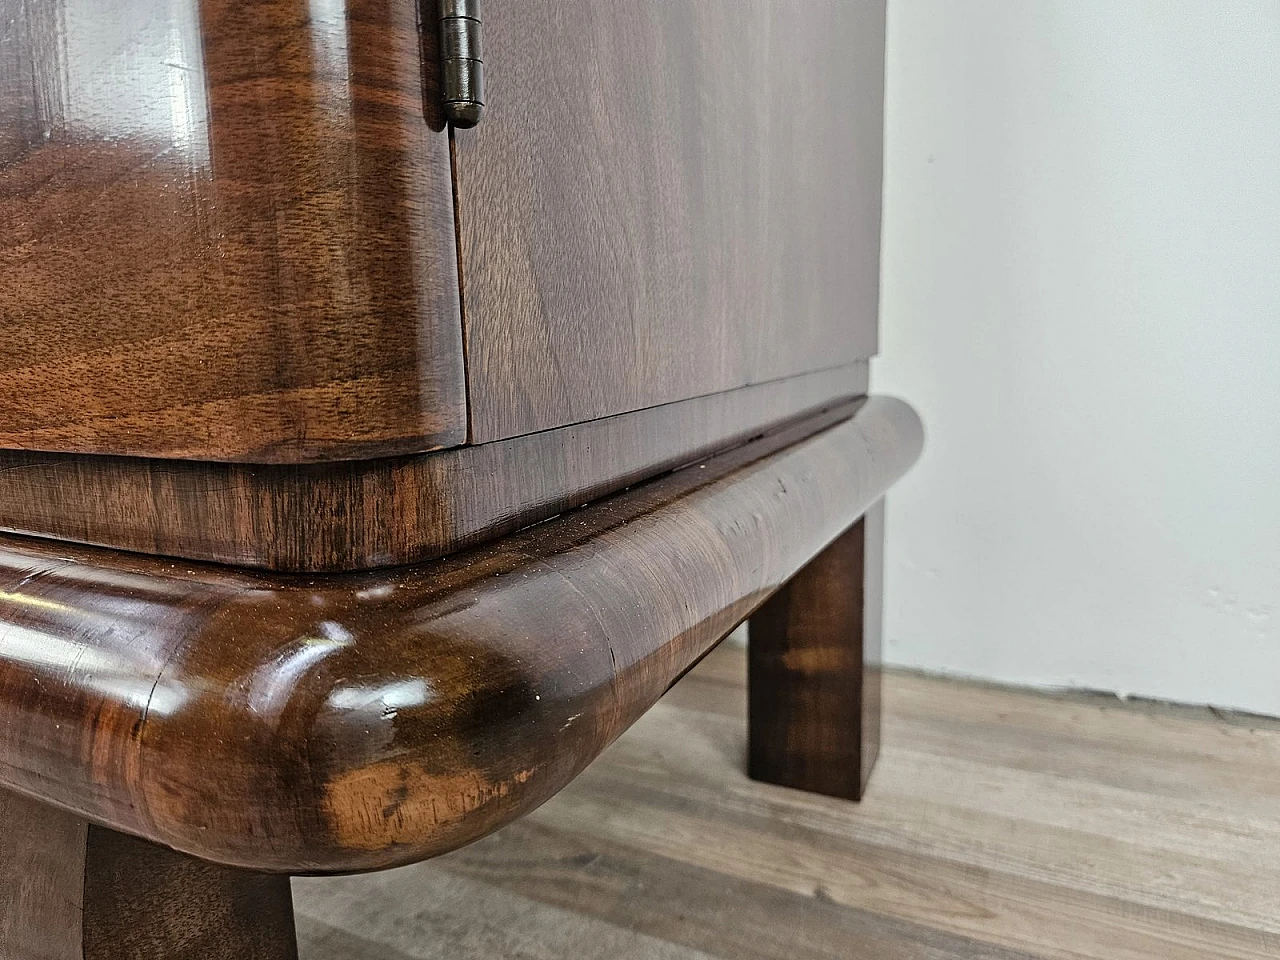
(355, 722)
(226, 231)
(665, 200)
(361, 514)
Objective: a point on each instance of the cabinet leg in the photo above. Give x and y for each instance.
(72, 891)
(814, 669)
(41, 879)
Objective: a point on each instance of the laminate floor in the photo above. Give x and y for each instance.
(999, 825)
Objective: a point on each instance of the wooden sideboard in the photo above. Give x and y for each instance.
(239, 243)
(377, 444)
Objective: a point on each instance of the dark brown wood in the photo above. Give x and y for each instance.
(814, 680)
(71, 891)
(348, 722)
(226, 232)
(372, 513)
(143, 902)
(42, 855)
(675, 201)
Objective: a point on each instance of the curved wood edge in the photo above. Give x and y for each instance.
(357, 722)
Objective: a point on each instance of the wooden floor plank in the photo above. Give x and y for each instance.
(1181, 855)
(964, 897)
(1000, 825)
(425, 912)
(713, 912)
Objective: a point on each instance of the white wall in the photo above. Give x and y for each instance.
(1082, 297)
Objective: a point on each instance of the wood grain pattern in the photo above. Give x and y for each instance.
(1000, 825)
(690, 202)
(815, 669)
(143, 902)
(42, 853)
(373, 513)
(358, 722)
(226, 232)
(71, 891)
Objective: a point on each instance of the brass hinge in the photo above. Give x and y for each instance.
(461, 61)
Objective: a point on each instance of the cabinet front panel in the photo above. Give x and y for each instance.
(666, 199)
(226, 231)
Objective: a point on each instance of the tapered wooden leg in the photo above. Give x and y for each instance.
(71, 891)
(814, 669)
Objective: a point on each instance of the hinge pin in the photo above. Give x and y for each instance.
(462, 61)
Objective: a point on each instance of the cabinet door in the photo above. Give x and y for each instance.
(666, 198)
(226, 231)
